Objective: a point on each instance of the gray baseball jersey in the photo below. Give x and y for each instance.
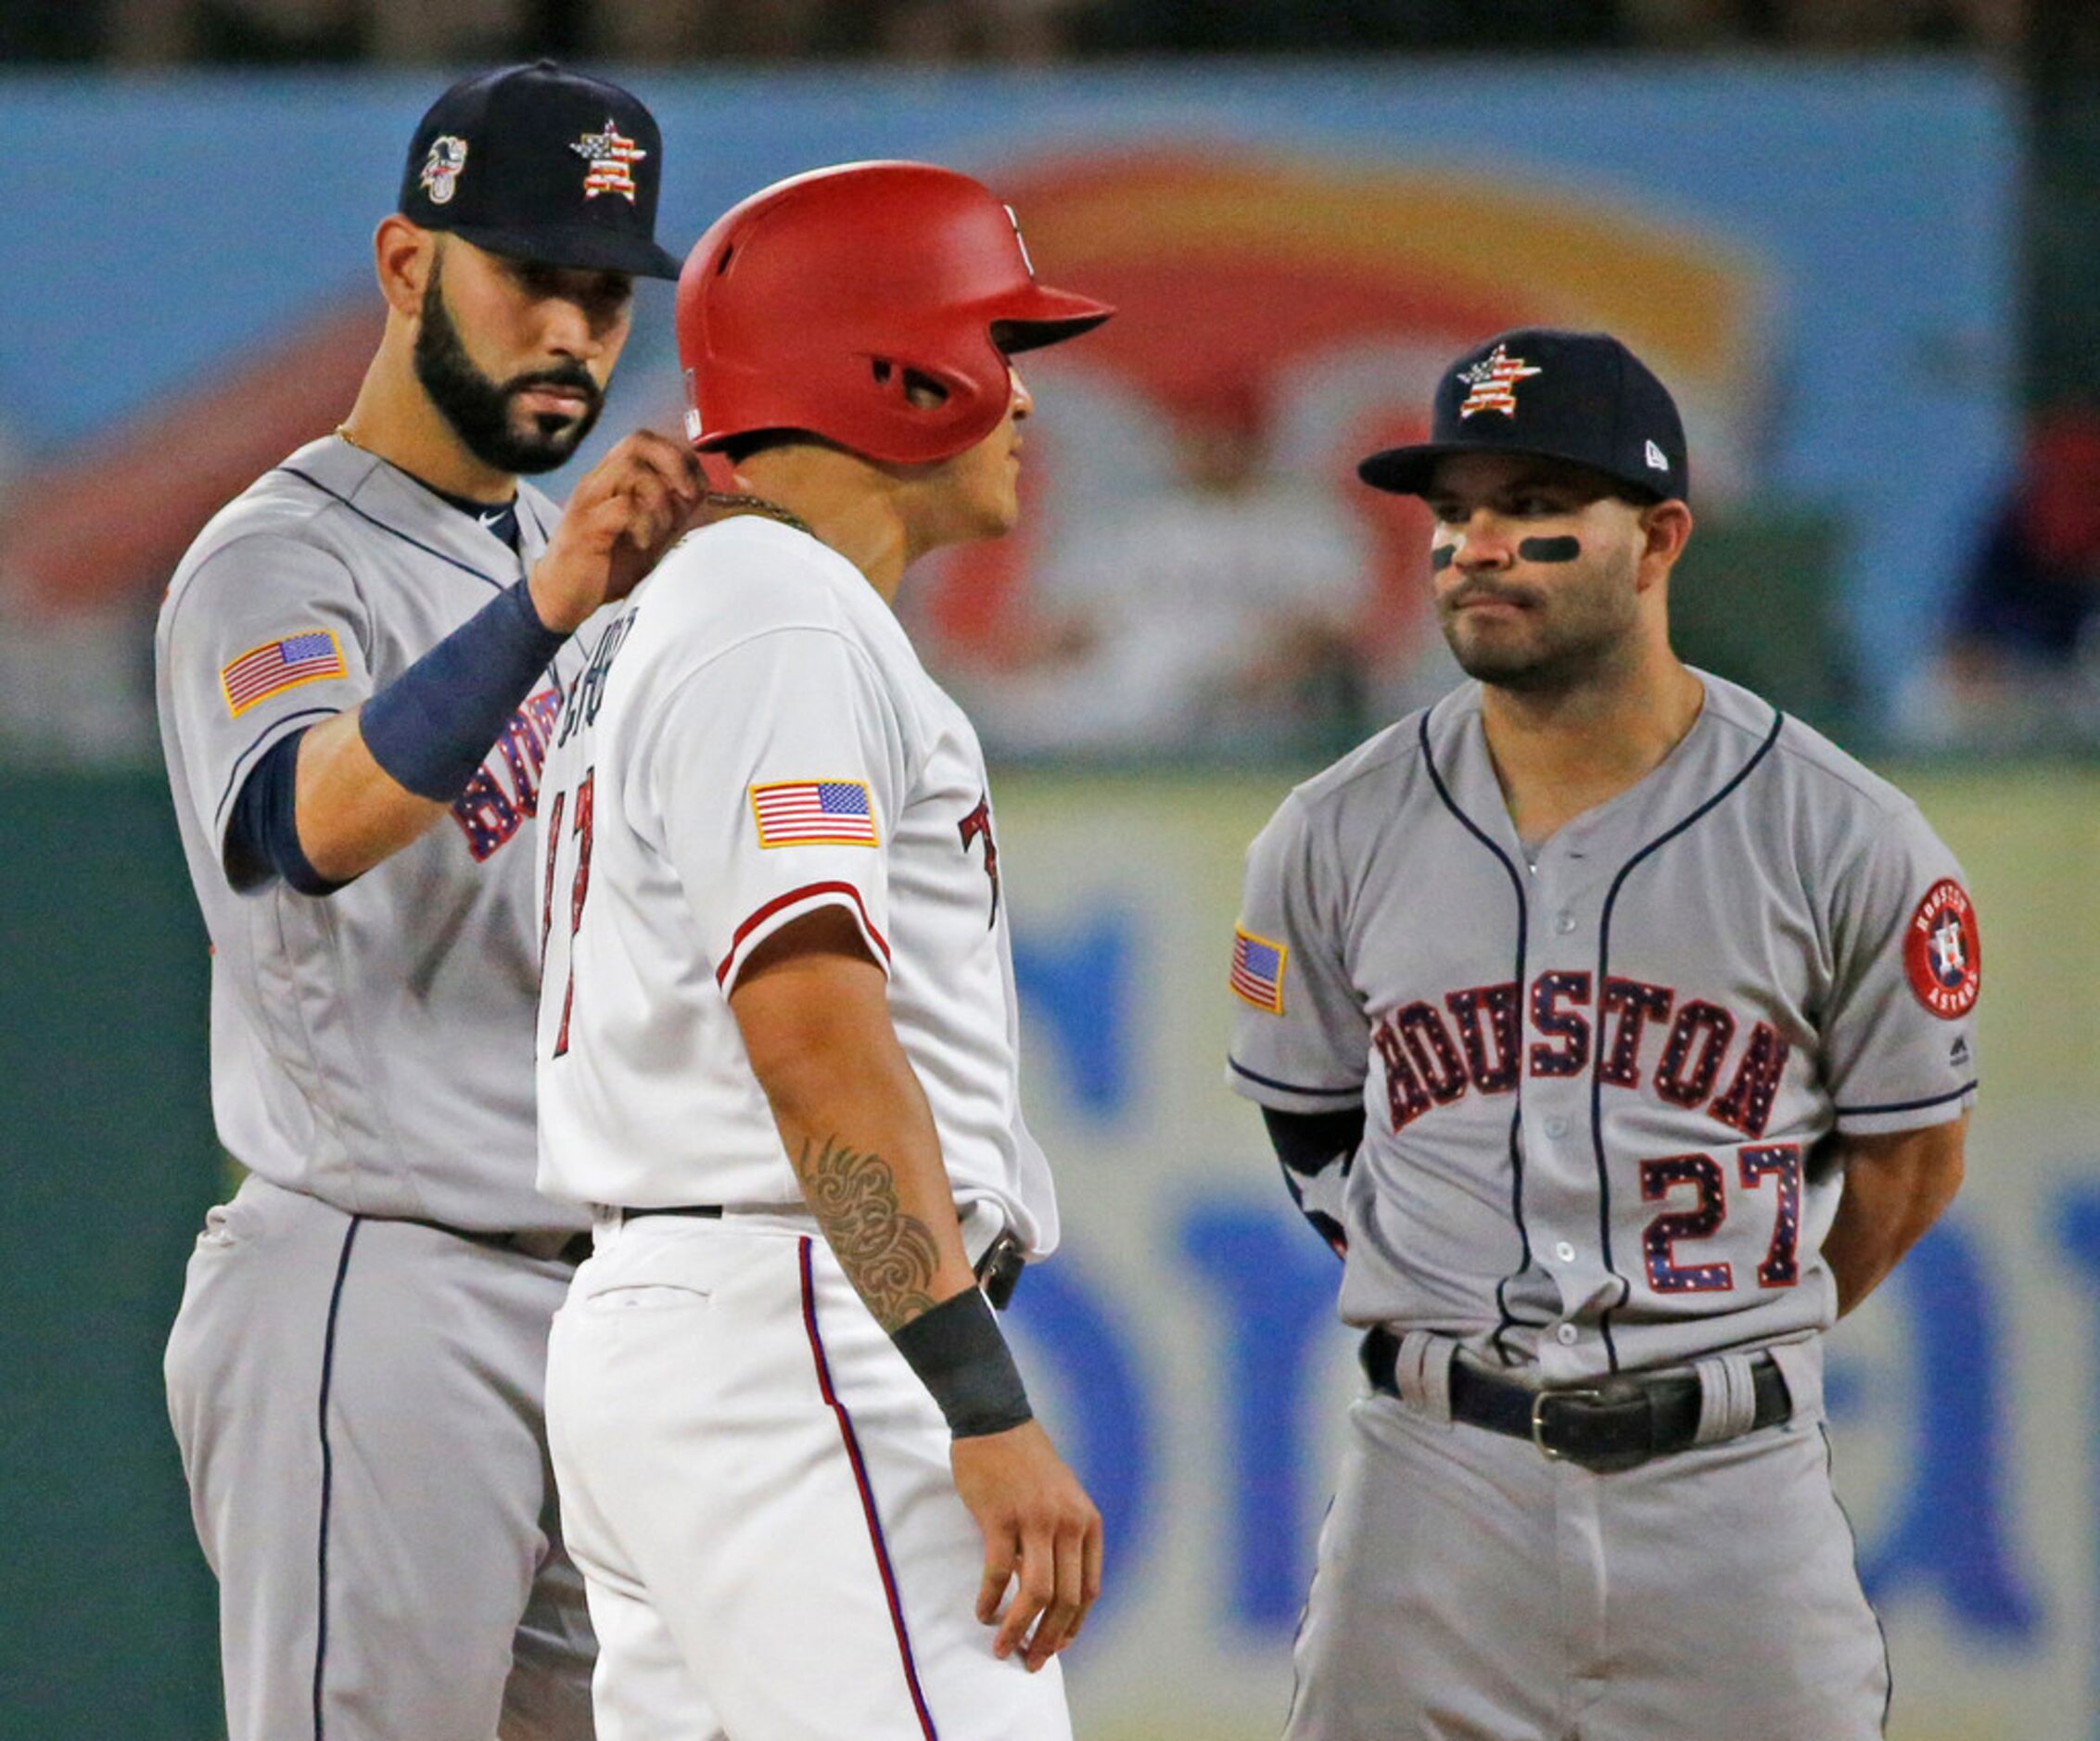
(1596, 1075)
(359, 1054)
(356, 1394)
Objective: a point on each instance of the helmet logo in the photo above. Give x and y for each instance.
(693, 425)
(611, 156)
(1494, 382)
(442, 167)
(1020, 241)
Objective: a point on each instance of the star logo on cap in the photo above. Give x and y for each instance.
(1494, 382)
(442, 167)
(611, 156)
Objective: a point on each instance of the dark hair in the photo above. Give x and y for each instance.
(739, 447)
(736, 449)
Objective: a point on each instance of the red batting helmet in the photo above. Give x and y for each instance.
(805, 306)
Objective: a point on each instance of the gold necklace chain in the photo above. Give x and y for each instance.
(736, 501)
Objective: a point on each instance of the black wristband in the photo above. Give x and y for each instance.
(959, 1356)
(432, 725)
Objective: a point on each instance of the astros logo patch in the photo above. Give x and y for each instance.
(442, 168)
(1943, 951)
(611, 156)
(1494, 380)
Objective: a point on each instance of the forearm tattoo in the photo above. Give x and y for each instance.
(888, 1255)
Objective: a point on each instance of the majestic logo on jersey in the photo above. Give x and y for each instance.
(979, 821)
(277, 665)
(1494, 380)
(487, 813)
(1475, 1044)
(611, 156)
(814, 813)
(442, 168)
(1257, 971)
(1943, 951)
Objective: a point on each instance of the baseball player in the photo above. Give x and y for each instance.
(359, 666)
(778, 1034)
(1619, 1030)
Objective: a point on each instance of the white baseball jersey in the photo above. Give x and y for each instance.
(752, 740)
(1597, 1077)
(371, 1049)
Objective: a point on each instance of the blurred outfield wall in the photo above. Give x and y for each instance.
(1821, 261)
(1182, 1344)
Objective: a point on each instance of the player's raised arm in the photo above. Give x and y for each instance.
(457, 422)
(370, 783)
(811, 1005)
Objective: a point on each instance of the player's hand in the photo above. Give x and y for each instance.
(621, 517)
(1042, 1536)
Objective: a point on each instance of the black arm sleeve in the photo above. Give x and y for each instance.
(262, 832)
(1315, 1150)
(1309, 1143)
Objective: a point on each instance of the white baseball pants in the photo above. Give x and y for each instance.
(757, 1490)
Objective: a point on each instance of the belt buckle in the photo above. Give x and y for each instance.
(1619, 1387)
(1585, 1393)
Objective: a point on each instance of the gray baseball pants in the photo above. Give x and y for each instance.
(1470, 1589)
(359, 1406)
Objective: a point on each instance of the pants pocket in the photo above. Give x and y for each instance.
(646, 1296)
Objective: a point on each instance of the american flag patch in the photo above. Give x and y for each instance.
(277, 665)
(1257, 971)
(814, 813)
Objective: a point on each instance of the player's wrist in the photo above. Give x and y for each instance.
(553, 606)
(430, 726)
(957, 1351)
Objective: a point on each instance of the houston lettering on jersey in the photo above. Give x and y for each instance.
(1642, 1036)
(489, 811)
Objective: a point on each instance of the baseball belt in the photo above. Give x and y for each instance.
(1618, 1423)
(998, 1271)
(546, 1245)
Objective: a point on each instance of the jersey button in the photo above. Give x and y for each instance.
(1557, 1126)
(1564, 924)
(1566, 1253)
(1566, 1335)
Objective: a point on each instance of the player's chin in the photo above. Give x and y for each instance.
(544, 440)
(1489, 657)
(992, 516)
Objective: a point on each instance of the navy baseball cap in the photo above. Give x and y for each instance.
(1580, 397)
(542, 164)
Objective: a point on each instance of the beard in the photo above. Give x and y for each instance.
(1567, 638)
(480, 411)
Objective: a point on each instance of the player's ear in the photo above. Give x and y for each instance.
(1666, 527)
(402, 254)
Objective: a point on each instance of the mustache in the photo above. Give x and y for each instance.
(1481, 591)
(569, 377)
